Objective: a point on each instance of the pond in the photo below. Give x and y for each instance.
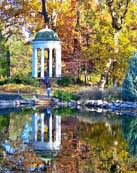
(67, 140)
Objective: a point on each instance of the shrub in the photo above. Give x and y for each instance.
(94, 94)
(4, 81)
(79, 81)
(110, 94)
(26, 80)
(63, 95)
(129, 85)
(65, 81)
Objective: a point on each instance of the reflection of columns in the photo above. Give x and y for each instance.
(34, 126)
(38, 132)
(58, 130)
(50, 129)
(42, 63)
(50, 62)
(42, 127)
(58, 62)
(34, 63)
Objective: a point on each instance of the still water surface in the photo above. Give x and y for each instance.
(66, 140)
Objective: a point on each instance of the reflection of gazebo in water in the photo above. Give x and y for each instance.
(46, 54)
(43, 138)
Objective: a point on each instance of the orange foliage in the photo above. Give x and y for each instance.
(65, 28)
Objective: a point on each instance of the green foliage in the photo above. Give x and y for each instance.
(20, 58)
(64, 81)
(129, 126)
(129, 86)
(4, 125)
(26, 80)
(3, 66)
(18, 79)
(4, 122)
(65, 111)
(4, 81)
(3, 62)
(79, 81)
(64, 95)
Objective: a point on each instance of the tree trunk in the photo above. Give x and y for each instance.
(118, 13)
(104, 76)
(54, 20)
(50, 21)
(111, 62)
(85, 76)
(44, 12)
(8, 63)
(54, 16)
(116, 42)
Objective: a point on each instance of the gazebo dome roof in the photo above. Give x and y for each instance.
(46, 34)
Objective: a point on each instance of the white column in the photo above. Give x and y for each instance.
(50, 129)
(58, 62)
(58, 130)
(34, 127)
(50, 62)
(42, 127)
(42, 63)
(34, 63)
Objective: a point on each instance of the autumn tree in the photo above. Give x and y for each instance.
(118, 10)
(97, 41)
(103, 33)
(13, 16)
(29, 15)
(101, 41)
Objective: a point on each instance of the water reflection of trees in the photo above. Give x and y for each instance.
(91, 142)
(4, 125)
(129, 126)
(108, 146)
(96, 145)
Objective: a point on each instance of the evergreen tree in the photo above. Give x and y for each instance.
(129, 86)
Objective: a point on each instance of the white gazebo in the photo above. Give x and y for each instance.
(46, 40)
